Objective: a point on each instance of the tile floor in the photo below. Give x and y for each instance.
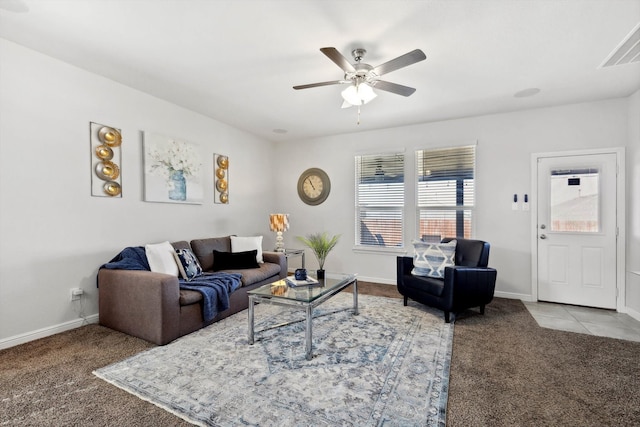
(585, 320)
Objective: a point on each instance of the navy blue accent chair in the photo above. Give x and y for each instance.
(470, 283)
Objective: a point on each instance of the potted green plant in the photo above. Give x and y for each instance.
(321, 245)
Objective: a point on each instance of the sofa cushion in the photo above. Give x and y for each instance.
(188, 264)
(234, 260)
(255, 275)
(160, 258)
(182, 244)
(203, 248)
(427, 285)
(242, 244)
(188, 297)
(430, 259)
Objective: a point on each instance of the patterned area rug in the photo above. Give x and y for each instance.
(387, 366)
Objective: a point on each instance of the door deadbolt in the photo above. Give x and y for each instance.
(543, 226)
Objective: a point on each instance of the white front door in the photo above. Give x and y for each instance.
(576, 229)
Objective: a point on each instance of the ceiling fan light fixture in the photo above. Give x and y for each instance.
(362, 77)
(359, 94)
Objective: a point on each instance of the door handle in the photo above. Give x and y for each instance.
(543, 236)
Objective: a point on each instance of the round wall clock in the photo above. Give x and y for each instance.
(314, 186)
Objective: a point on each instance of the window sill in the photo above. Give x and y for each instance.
(379, 250)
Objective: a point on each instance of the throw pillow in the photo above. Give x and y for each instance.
(430, 259)
(187, 264)
(243, 244)
(160, 258)
(234, 260)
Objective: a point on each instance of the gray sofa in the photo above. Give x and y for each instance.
(152, 306)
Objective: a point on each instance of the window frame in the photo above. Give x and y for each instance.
(459, 209)
(398, 208)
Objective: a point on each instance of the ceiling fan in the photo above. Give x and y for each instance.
(362, 78)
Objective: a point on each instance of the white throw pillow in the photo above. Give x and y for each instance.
(430, 259)
(161, 259)
(242, 244)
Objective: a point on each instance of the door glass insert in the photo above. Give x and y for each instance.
(575, 200)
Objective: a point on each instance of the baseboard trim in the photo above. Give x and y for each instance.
(45, 332)
(376, 280)
(631, 312)
(513, 295)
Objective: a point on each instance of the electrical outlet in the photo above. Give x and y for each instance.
(76, 294)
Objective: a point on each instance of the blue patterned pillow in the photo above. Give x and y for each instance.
(430, 259)
(187, 264)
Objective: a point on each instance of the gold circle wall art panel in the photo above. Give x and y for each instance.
(220, 178)
(106, 158)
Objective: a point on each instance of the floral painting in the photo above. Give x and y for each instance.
(172, 170)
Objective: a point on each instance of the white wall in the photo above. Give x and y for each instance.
(53, 234)
(633, 207)
(505, 145)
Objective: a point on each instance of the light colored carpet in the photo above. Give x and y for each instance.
(387, 366)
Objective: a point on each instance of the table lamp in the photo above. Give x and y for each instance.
(279, 223)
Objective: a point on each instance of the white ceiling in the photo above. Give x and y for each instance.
(236, 61)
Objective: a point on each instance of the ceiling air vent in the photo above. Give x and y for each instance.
(627, 51)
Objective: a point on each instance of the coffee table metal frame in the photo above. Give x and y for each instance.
(295, 297)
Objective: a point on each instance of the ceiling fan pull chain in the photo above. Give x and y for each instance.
(358, 122)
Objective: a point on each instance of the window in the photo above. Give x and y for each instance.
(575, 200)
(445, 192)
(379, 200)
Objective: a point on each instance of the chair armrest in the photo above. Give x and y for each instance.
(276, 258)
(404, 265)
(140, 303)
(470, 282)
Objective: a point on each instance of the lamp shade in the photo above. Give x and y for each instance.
(279, 222)
(358, 94)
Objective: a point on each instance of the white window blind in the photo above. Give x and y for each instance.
(445, 192)
(379, 200)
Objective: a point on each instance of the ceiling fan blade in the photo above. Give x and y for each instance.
(393, 88)
(338, 58)
(334, 82)
(400, 62)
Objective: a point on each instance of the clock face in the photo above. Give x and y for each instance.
(313, 186)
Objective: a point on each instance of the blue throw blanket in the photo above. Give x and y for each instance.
(132, 258)
(214, 287)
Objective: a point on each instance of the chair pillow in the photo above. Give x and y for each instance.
(430, 259)
(187, 264)
(160, 258)
(243, 244)
(234, 260)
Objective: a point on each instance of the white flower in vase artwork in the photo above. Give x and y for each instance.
(178, 163)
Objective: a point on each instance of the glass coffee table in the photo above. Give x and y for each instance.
(307, 297)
